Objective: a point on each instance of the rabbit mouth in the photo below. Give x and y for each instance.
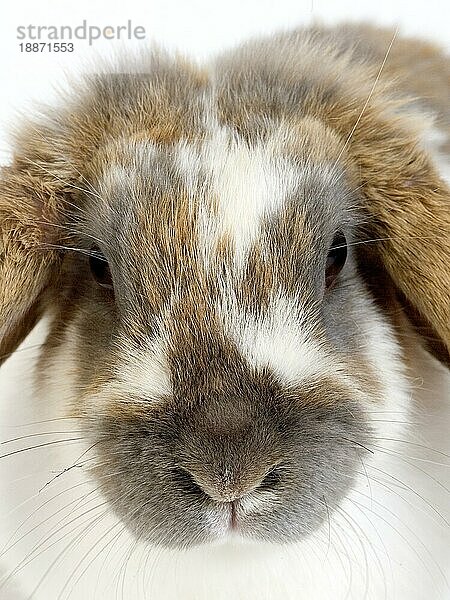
(182, 486)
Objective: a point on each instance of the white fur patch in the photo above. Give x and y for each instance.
(383, 353)
(282, 340)
(242, 187)
(145, 373)
(257, 501)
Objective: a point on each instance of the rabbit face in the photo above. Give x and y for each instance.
(223, 339)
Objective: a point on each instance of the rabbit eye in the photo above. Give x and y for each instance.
(100, 269)
(336, 259)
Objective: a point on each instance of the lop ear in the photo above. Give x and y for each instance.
(28, 207)
(413, 226)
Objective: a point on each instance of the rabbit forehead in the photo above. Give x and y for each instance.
(220, 190)
(246, 185)
(221, 199)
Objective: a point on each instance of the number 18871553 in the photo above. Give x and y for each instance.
(46, 47)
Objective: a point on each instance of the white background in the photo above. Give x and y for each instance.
(196, 27)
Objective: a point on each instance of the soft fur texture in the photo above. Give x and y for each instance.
(229, 402)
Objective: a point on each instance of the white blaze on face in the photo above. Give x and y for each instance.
(282, 339)
(238, 186)
(242, 186)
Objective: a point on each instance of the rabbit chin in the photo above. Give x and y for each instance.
(389, 538)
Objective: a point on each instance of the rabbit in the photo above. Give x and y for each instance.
(225, 327)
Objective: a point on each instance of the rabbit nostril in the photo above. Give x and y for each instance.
(271, 480)
(185, 482)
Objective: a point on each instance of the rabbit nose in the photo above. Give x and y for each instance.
(224, 489)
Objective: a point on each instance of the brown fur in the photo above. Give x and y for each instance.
(406, 200)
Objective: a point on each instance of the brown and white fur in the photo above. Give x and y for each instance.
(219, 408)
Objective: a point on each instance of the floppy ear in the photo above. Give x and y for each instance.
(27, 265)
(413, 226)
